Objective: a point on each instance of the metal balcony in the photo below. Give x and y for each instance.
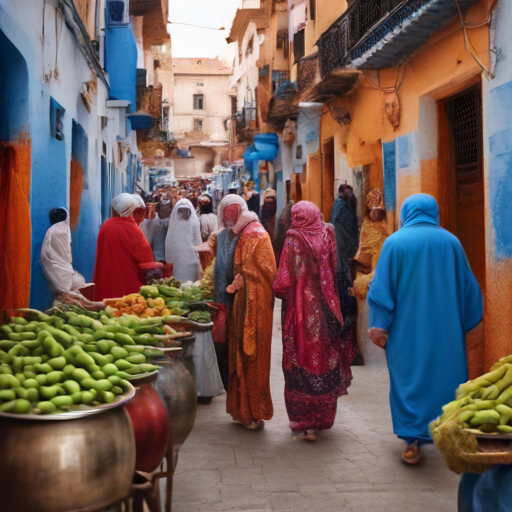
(377, 34)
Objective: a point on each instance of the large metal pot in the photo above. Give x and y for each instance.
(178, 391)
(150, 424)
(81, 465)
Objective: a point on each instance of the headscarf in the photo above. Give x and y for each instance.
(419, 209)
(308, 227)
(268, 193)
(227, 201)
(164, 210)
(307, 224)
(246, 217)
(140, 201)
(125, 204)
(205, 204)
(182, 236)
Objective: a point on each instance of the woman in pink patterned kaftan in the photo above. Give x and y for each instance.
(316, 361)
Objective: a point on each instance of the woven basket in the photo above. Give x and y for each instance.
(493, 449)
(488, 459)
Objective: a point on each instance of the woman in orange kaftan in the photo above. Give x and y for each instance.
(250, 326)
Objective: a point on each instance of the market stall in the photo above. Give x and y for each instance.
(113, 378)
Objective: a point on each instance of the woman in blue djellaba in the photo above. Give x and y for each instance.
(423, 300)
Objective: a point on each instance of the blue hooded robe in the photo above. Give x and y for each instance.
(426, 297)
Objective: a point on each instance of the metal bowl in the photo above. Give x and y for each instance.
(62, 466)
(78, 411)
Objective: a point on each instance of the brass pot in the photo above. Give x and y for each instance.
(82, 465)
(177, 389)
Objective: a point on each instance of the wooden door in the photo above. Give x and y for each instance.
(465, 117)
(327, 179)
(466, 186)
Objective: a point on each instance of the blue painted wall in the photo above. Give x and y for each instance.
(22, 90)
(500, 167)
(49, 190)
(84, 235)
(121, 63)
(14, 113)
(389, 164)
(404, 152)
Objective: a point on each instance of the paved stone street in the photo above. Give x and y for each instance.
(354, 467)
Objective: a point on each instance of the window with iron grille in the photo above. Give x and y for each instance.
(198, 125)
(198, 101)
(465, 113)
(298, 45)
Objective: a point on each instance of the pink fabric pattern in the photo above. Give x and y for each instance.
(316, 362)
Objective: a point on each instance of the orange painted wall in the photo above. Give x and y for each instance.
(437, 71)
(75, 193)
(16, 233)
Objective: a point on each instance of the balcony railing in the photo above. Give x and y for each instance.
(379, 33)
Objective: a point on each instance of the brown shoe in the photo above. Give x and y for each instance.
(412, 453)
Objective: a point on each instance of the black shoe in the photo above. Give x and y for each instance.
(358, 360)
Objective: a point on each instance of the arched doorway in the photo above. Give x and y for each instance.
(15, 168)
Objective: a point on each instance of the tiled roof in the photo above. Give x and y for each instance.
(200, 66)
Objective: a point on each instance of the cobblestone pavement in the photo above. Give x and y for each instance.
(354, 467)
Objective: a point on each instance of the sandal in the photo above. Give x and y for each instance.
(254, 425)
(412, 453)
(311, 435)
(299, 436)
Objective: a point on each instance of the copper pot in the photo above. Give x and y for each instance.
(82, 465)
(151, 427)
(177, 389)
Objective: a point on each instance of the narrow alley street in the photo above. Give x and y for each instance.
(355, 467)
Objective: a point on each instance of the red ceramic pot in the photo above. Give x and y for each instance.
(150, 425)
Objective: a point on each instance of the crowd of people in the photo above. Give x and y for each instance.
(422, 295)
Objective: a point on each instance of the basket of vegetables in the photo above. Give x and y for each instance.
(475, 430)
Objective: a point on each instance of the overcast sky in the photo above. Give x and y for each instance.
(196, 42)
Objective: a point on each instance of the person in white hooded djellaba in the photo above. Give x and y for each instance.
(56, 259)
(183, 234)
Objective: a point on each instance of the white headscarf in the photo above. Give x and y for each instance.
(140, 201)
(245, 215)
(227, 201)
(125, 204)
(181, 238)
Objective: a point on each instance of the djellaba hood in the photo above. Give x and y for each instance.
(419, 209)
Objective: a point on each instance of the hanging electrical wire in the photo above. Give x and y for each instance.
(468, 45)
(398, 81)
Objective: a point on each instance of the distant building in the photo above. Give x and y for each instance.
(70, 125)
(201, 99)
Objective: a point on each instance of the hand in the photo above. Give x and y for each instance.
(236, 284)
(378, 336)
(352, 292)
